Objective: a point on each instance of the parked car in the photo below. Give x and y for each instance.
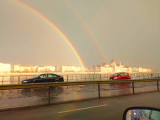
(120, 76)
(44, 78)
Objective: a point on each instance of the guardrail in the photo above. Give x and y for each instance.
(37, 85)
(99, 88)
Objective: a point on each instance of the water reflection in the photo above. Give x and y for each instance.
(120, 85)
(115, 89)
(28, 97)
(34, 96)
(42, 92)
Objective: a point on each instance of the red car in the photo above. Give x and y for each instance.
(120, 76)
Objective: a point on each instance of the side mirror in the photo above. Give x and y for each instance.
(141, 113)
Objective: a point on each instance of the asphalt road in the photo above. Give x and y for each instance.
(102, 109)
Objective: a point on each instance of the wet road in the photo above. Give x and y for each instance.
(100, 109)
(38, 96)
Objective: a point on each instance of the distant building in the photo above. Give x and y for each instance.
(103, 68)
(5, 68)
(69, 69)
(135, 69)
(96, 68)
(32, 68)
(24, 68)
(46, 69)
(113, 67)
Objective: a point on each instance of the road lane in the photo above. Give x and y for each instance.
(82, 108)
(113, 110)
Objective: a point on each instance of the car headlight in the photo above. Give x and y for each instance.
(115, 77)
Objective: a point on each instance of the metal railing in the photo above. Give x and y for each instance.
(75, 77)
(37, 85)
(100, 88)
(67, 78)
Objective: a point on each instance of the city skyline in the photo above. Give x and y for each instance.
(97, 31)
(107, 62)
(112, 67)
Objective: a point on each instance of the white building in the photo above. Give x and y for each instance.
(46, 69)
(114, 68)
(69, 69)
(24, 68)
(5, 67)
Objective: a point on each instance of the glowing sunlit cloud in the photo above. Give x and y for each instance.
(85, 26)
(56, 28)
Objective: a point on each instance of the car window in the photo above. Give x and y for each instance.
(43, 76)
(122, 74)
(37, 76)
(116, 74)
(55, 75)
(126, 74)
(52, 76)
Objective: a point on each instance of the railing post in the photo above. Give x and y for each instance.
(93, 77)
(99, 95)
(18, 79)
(67, 78)
(2, 79)
(49, 95)
(96, 76)
(157, 85)
(72, 77)
(133, 88)
(10, 79)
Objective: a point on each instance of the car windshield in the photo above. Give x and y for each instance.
(116, 74)
(37, 76)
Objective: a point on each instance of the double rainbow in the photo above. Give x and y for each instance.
(87, 29)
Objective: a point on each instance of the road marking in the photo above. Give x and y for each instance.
(82, 108)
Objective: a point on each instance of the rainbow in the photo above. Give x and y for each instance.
(57, 29)
(85, 26)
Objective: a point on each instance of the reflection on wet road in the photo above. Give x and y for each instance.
(37, 96)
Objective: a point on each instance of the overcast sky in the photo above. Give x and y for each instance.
(124, 30)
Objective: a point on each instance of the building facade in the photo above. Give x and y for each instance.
(5, 68)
